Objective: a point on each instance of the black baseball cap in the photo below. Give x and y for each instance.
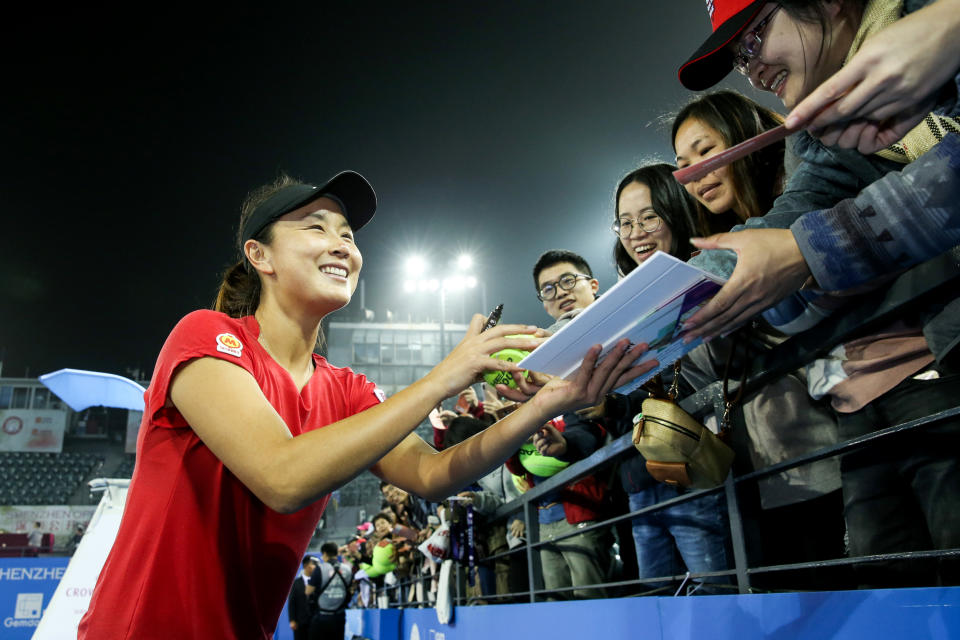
(349, 189)
(713, 60)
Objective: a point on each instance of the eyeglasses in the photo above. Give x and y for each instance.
(750, 45)
(623, 227)
(548, 291)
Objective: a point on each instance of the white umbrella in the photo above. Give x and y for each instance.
(82, 389)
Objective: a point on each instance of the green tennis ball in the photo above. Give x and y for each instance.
(494, 378)
(537, 464)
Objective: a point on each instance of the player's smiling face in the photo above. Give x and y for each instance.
(313, 257)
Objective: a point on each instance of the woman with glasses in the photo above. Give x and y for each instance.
(789, 48)
(888, 86)
(902, 371)
(652, 213)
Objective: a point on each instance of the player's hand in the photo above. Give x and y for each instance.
(593, 380)
(471, 357)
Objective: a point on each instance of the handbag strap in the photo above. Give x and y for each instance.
(675, 385)
(728, 402)
(654, 386)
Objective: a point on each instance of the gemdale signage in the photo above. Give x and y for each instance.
(26, 586)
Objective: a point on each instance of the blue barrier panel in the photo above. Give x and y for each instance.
(850, 615)
(632, 618)
(377, 624)
(26, 586)
(932, 613)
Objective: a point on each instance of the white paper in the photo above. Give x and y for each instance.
(648, 305)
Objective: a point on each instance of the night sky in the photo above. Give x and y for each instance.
(130, 138)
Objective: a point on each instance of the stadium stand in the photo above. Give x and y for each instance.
(28, 478)
(125, 468)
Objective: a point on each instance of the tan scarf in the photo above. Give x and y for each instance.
(877, 15)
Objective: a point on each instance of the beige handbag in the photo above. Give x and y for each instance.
(678, 449)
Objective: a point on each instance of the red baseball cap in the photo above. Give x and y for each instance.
(713, 61)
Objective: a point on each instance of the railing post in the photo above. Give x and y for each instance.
(532, 521)
(736, 535)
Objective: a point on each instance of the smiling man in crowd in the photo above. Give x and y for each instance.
(565, 285)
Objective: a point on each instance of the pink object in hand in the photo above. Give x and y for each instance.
(725, 157)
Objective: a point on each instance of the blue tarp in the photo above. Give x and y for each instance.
(82, 389)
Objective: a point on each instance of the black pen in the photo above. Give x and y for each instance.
(493, 318)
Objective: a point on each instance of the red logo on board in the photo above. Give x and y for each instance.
(12, 425)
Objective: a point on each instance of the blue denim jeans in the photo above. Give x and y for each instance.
(697, 529)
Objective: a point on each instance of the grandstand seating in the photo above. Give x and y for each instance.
(28, 478)
(125, 468)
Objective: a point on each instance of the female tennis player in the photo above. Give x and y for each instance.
(246, 430)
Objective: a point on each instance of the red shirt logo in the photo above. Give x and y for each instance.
(229, 343)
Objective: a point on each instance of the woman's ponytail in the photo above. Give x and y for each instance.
(239, 292)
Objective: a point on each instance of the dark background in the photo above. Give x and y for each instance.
(130, 137)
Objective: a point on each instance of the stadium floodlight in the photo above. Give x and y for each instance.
(420, 279)
(415, 266)
(455, 283)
